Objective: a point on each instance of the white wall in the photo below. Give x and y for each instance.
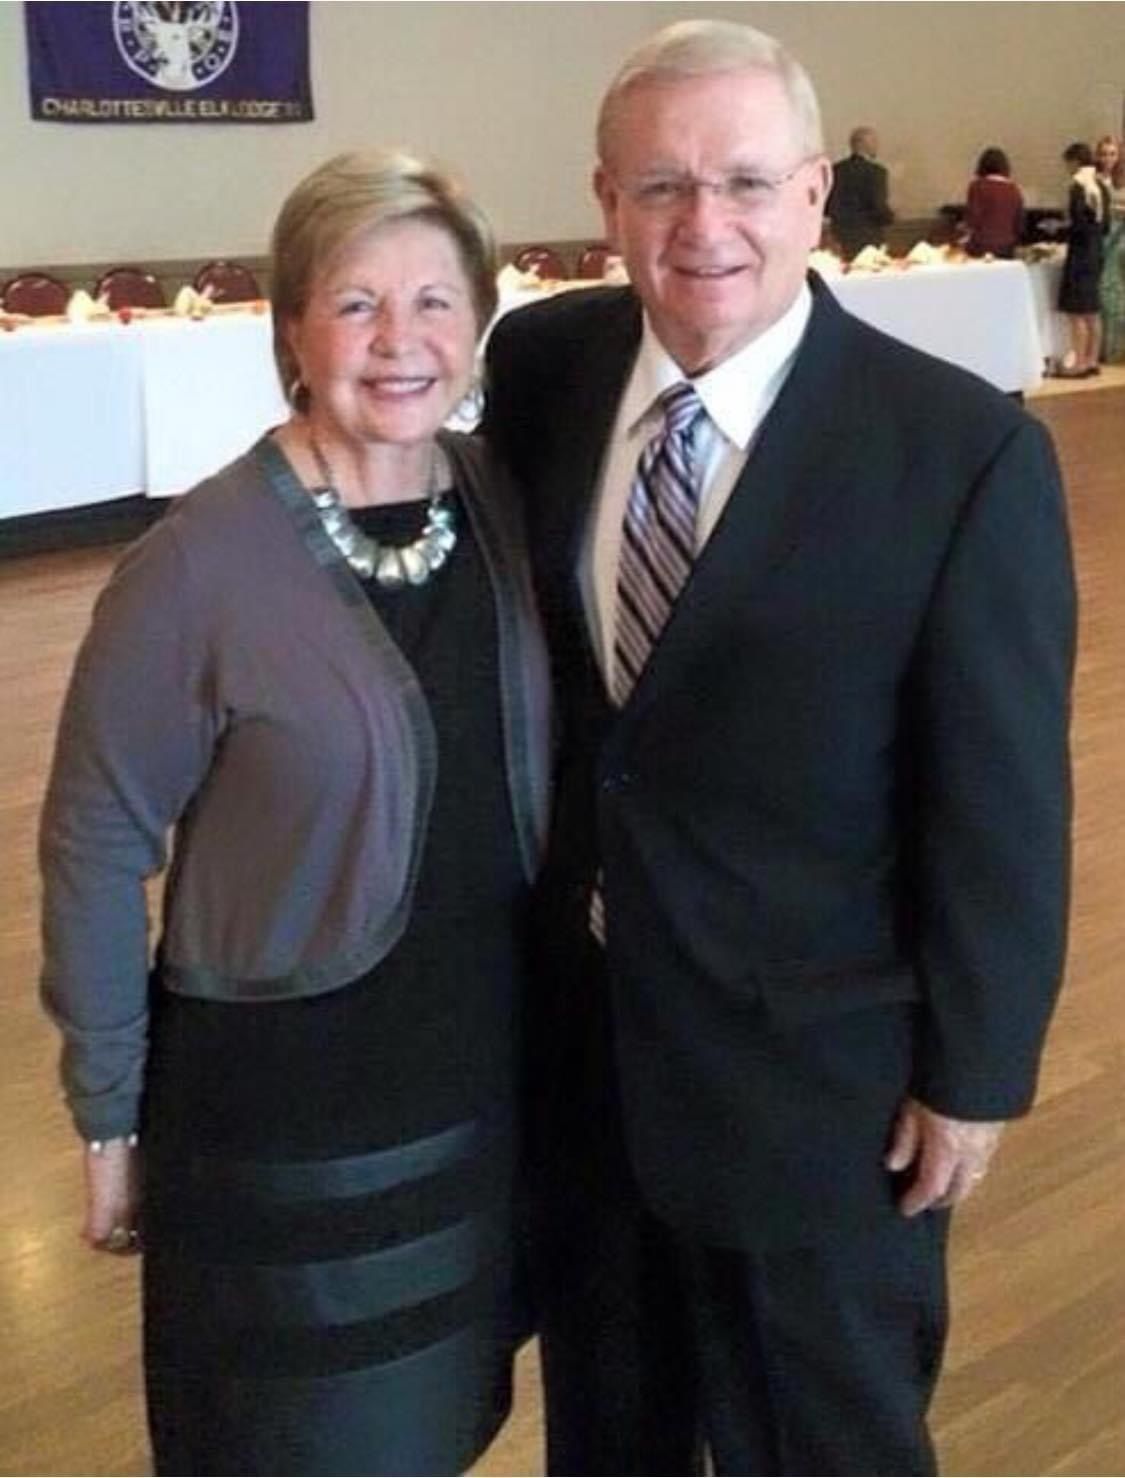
(943, 81)
(505, 94)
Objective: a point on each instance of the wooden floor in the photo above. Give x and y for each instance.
(1035, 1378)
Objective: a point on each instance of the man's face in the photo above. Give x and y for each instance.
(713, 269)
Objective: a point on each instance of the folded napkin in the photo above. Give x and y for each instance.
(510, 281)
(81, 307)
(827, 263)
(871, 259)
(922, 254)
(190, 304)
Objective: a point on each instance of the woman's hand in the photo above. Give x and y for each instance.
(112, 1200)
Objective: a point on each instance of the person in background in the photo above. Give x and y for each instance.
(1088, 211)
(811, 611)
(1111, 175)
(993, 208)
(323, 671)
(857, 202)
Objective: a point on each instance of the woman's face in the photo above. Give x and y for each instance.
(1107, 155)
(387, 340)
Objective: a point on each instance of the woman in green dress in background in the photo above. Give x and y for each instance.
(1111, 173)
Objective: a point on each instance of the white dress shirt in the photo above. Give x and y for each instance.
(737, 395)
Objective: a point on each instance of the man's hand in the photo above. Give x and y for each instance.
(949, 1156)
(111, 1197)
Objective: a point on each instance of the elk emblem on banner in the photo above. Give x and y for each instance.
(178, 45)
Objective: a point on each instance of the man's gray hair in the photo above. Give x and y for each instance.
(707, 48)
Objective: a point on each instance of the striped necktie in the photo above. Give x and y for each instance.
(657, 550)
(657, 537)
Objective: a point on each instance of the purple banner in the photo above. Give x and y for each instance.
(198, 61)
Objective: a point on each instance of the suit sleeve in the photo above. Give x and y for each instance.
(879, 187)
(506, 373)
(990, 711)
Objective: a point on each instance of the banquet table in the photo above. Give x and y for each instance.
(70, 425)
(209, 390)
(98, 411)
(979, 315)
(1046, 275)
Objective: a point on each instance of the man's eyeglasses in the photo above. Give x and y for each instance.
(742, 190)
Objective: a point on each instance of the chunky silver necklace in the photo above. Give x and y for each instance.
(391, 566)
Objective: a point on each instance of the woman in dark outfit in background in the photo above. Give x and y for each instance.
(323, 669)
(1079, 289)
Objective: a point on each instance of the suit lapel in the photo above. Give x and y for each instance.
(588, 398)
(807, 444)
(593, 409)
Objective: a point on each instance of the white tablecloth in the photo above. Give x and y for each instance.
(980, 315)
(1053, 332)
(207, 395)
(103, 410)
(71, 428)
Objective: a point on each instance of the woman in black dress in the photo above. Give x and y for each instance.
(323, 671)
(1079, 290)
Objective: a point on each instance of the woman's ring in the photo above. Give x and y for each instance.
(121, 1239)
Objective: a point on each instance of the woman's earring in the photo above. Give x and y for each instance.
(466, 414)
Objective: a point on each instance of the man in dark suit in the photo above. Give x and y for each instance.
(804, 907)
(857, 203)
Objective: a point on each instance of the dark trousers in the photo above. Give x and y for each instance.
(811, 1359)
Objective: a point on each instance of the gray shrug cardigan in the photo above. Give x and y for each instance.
(237, 685)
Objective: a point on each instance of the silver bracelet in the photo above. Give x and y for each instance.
(98, 1146)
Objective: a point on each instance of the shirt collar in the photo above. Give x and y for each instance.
(732, 393)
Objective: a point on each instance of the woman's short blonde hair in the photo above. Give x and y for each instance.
(705, 48)
(352, 194)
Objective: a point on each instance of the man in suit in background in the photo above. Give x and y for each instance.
(857, 203)
(811, 609)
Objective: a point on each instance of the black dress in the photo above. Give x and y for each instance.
(329, 1268)
(1079, 286)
